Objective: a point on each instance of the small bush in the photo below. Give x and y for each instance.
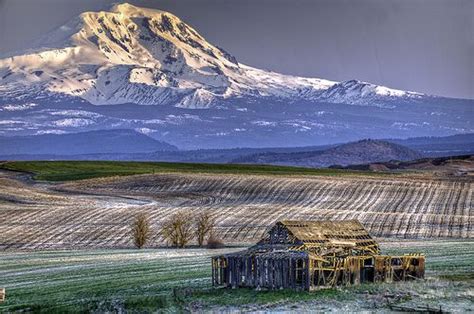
(214, 243)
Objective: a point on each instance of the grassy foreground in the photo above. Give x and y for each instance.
(179, 280)
(77, 170)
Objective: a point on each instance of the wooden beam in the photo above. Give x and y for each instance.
(213, 265)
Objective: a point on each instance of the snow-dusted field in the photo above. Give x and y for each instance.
(97, 213)
(170, 279)
(100, 271)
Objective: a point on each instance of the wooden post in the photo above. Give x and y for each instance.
(290, 273)
(213, 264)
(275, 274)
(356, 267)
(249, 271)
(257, 272)
(265, 272)
(308, 274)
(421, 267)
(293, 273)
(232, 272)
(279, 274)
(239, 271)
(270, 273)
(252, 271)
(236, 273)
(215, 271)
(223, 271)
(2, 294)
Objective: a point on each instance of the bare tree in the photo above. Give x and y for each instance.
(141, 230)
(178, 229)
(204, 226)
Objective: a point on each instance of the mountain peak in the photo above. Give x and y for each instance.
(131, 10)
(363, 93)
(131, 54)
(125, 8)
(143, 56)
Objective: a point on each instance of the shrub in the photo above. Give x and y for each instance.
(141, 230)
(214, 242)
(177, 230)
(204, 226)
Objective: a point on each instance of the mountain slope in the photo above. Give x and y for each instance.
(106, 141)
(365, 151)
(150, 57)
(142, 56)
(362, 93)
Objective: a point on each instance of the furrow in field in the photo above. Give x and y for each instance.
(98, 213)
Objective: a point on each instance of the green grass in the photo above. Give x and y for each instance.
(245, 296)
(458, 277)
(78, 170)
(169, 280)
(139, 280)
(75, 281)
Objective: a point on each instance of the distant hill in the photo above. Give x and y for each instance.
(459, 144)
(452, 165)
(93, 142)
(192, 156)
(364, 151)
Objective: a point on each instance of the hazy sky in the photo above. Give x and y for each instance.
(419, 45)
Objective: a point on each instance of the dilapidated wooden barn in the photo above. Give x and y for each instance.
(309, 255)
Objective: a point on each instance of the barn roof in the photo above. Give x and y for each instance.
(343, 233)
(274, 254)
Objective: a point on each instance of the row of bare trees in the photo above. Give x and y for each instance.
(178, 229)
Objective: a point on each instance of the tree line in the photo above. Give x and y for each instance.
(178, 230)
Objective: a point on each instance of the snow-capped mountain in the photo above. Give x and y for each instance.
(362, 93)
(97, 72)
(141, 56)
(151, 57)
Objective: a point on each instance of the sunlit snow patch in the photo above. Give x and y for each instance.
(21, 107)
(73, 122)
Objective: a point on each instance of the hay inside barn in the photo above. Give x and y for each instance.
(309, 255)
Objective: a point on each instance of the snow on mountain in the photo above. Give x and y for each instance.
(95, 72)
(142, 56)
(150, 57)
(362, 93)
(22, 107)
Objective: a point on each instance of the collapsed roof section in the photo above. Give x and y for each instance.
(321, 237)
